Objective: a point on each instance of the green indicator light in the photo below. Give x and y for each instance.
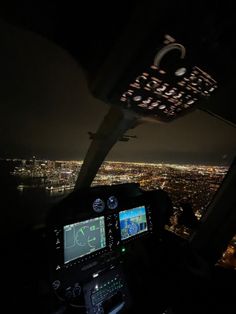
(123, 250)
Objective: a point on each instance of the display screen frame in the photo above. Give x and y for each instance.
(83, 236)
(134, 230)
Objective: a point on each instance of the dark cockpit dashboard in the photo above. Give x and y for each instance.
(109, 252)
(93, 233)
(104, 249)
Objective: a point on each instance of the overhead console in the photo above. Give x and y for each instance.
(90, 232)
(160, 83)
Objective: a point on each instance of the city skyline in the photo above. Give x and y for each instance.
(80, 161)
(59, 176)
(225, 162)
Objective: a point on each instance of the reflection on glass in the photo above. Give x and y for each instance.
(228, 259)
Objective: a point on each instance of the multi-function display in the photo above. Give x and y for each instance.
(83, 238)
(132, 222)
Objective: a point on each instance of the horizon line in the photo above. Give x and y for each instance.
(126, 162)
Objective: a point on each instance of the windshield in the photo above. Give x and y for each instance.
(48, 114)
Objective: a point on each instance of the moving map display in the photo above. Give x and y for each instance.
(132, 222)
(83, 238)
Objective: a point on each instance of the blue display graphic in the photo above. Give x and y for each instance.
(132, 222)
(83, 238)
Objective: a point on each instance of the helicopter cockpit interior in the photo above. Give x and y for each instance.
(106, 248)
(109, 251)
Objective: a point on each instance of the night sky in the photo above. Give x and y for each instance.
(47, 110)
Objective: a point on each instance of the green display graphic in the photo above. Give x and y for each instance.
(83, 238)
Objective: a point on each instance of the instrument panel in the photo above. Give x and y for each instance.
(99, 223)
(107, 229)
(93, 233)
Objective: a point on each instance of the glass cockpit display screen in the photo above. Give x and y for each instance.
(83, 238)
(132, 222)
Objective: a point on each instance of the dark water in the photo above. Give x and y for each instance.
(22, 209)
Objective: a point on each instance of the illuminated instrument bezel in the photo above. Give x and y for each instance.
(113, 198)
(95, 204)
